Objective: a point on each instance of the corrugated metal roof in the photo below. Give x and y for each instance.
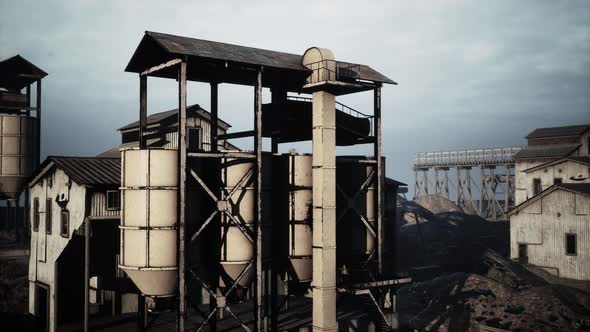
(17, 72)
(583, 160)
(558, 131)
(86, 171)
(156, 48)
(546, 151)
(159, 117)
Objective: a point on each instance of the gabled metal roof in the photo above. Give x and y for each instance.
(576, 130)
(85, 171)
(546, 151)
(211, 61)
(17, 72)
(171, 114)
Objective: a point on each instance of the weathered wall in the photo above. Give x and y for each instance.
(568, 172)
(543, 225)
(46, 248)
(99, 205)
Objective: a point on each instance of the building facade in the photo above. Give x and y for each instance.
(550, 224)
(552, 231)
(546, 145)
(66, 193)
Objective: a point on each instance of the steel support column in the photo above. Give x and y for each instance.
(379, 182)
(142, 109)
(324, 211)
(182, 227)
(87, 234)
(259, 313)
(38, 113)
(214, 117)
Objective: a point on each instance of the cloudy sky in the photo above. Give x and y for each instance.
(471, 73)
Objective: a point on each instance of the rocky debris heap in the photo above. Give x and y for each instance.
(464, 301)
(438, 204)
(450, 239)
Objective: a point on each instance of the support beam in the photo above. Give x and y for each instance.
(182, 227)
(238, 134)
(87, 234)
(259, 313)
(214, 117)
(324, 211)
(160, 67)
(28, 102)
(142, 110)
(379, 179)
(38, 145)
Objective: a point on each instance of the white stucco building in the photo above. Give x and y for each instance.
(66, 192)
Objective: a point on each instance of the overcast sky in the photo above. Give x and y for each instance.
(470, 73)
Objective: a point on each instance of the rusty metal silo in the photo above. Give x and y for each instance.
(148, 227)
(17, 141)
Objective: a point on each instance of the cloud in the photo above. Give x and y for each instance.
(471, 73)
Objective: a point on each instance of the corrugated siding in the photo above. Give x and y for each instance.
(545, 234)
(99, 206)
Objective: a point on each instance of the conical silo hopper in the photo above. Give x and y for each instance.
(149, 219)
(17, 137)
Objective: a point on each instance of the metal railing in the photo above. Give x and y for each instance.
(332, 70)
(343, 108)
(471, 157)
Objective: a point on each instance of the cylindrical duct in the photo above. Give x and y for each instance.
(17, 137)
(149, 180)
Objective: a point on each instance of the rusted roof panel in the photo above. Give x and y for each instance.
(86, 171)
(159, 117)
(16, 73)
(546, 151)
(156, 48)
(558, 131)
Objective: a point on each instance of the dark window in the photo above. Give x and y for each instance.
(571, 246)
(557, 181)
(36, 214)
(48, 216)
(194, 139)
(536, 186)
(522, 252)
(113, 200)
(65, 223)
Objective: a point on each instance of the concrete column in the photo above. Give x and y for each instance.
(324, 211)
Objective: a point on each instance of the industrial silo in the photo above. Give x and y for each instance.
(356, 229)
(238, 205)
(148, 227)
(293, 216)
(17, 139)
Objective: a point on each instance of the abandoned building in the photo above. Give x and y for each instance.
(568, 146)
(551, 230)
(162, 131)
(68, 194)
(550, 225)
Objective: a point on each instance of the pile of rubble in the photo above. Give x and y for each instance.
(466, 301)
(471, 282)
